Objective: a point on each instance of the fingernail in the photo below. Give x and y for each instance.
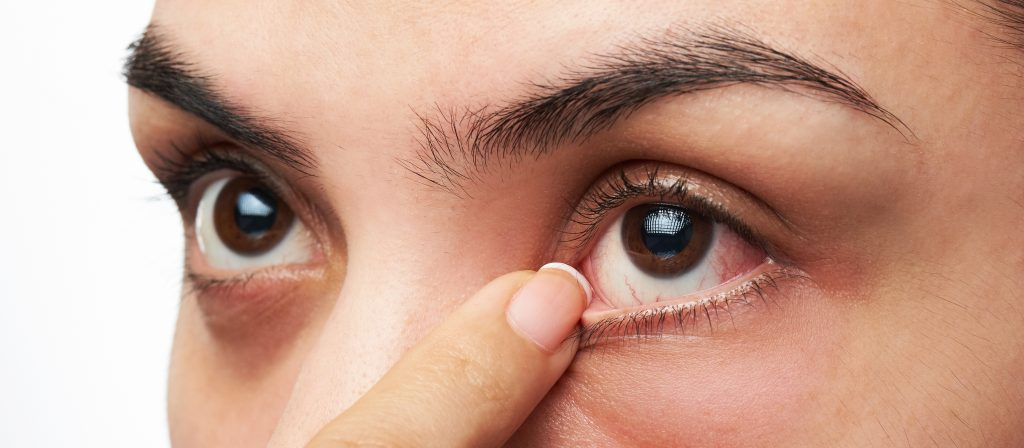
(548, 307)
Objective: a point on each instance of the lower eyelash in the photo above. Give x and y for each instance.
(200, 285)
(686, 318)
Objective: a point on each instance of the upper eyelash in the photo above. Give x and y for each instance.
(619, 189)
(178, 175)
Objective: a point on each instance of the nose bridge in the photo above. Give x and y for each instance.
(412, 255)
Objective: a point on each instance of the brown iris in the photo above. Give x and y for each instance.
(249, 218)
(664, 240)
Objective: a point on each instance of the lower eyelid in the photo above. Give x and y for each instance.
(706, 315)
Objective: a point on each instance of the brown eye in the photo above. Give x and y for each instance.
(664, 240)
(249, 218)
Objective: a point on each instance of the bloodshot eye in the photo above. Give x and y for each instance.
(663, 252)
(242, 224)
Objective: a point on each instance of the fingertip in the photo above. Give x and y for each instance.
(576, 275)
(547, 308)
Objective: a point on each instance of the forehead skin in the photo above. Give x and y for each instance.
(906, 336)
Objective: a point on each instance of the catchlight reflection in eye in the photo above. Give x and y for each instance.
(663, 252)
(241, 224)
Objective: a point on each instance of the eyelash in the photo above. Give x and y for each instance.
(650, 323)
(178, 175)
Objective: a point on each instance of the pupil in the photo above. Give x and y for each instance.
(255, 212)
(666, 231)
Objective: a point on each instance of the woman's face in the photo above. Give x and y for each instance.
(802, 218)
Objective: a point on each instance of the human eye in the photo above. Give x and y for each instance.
(239, 218)
(669, 249)
(252, 245)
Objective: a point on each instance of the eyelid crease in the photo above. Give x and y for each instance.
(685, 318)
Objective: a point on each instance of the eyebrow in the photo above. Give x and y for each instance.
(456, 146)
(154, 66)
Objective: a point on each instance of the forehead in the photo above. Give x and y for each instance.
(367, 69)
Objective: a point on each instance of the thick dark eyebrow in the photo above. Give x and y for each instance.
(155, 67)
(456, 145)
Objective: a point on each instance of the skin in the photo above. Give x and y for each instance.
(909, 331)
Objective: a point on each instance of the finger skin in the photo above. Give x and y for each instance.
(471, 382)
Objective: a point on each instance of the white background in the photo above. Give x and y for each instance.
(89, 255)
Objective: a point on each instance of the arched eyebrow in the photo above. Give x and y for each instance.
(155, 67)
(457, 144)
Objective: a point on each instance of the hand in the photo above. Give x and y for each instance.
(477, 376)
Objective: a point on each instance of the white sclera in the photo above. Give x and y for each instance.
(295, 247)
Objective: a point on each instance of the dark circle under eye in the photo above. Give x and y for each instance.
(664, 240)
(249, 217)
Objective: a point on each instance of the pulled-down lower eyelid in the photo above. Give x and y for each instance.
(706, 315)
